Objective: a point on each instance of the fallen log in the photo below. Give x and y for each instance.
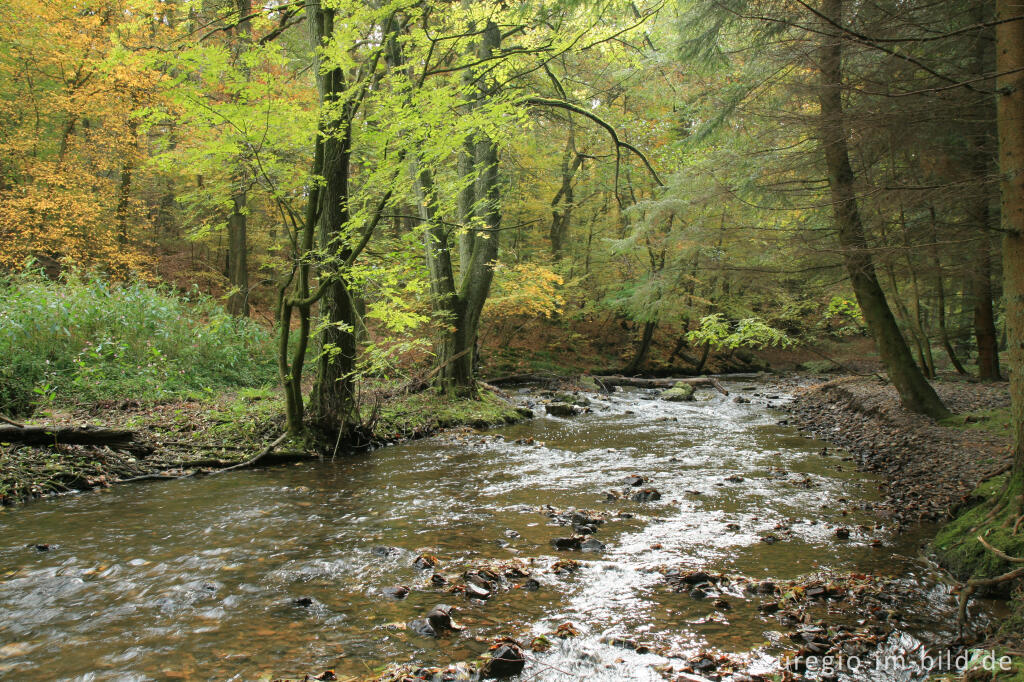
(69, 435)
(635, 382)
(513, 379)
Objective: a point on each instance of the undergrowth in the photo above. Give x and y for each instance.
(85, 339)
(427, 411)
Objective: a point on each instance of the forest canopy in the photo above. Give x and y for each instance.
(403, 190)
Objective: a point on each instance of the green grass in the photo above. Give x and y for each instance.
(427, 411)
(996, 421)
(84, 339)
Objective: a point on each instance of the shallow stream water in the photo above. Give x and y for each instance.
(204, 578)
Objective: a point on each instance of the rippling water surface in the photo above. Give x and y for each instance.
(198, 579)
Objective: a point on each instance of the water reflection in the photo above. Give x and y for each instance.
(281, 571)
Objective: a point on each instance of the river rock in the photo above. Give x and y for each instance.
(570, 543)
(681, 392)
(634, 481)
(476, 591)
(507, 660)
(646, 495)
(531, 585)
(741, 400)
(580, 519)
(437, 622)
(696, 578)
(425, 561)
(592, 545)
(395, 592)
(562, 410)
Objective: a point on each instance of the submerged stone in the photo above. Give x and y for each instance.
(507, 660)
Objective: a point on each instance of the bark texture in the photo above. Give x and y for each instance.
(1010, 116)
(915, 392)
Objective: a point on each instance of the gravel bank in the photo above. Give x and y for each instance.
(929, 468)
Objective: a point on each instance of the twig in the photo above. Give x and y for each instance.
(11, 422)
(266, 451)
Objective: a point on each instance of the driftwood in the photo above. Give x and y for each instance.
(660, 383)
(70, 435)
(611, 380)
(7, 420)
(525, 379)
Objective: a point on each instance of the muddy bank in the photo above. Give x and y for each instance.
(183, 438)
(930, 469)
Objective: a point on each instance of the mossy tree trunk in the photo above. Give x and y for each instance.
(915, 392)
(458, 303)
(238, 238)
(332, 402)
(1010, 117)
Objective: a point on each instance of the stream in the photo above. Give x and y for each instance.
(282, 571)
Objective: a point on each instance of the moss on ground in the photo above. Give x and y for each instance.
(995, 421)
(423, 413)
(956, 544)
(211, 430)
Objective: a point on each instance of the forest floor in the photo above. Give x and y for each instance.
(207, 433)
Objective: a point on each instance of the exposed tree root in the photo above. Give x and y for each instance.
(974, 583)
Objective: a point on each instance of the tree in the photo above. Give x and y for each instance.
(1010, 115)
(915, 392)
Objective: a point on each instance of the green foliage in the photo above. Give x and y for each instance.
(843, 317)
(750, 332)
(85, 339)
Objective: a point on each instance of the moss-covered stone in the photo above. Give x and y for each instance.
(681, 392)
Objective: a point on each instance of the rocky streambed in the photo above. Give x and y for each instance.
(641, 540)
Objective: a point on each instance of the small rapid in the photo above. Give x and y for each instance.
(282, 571)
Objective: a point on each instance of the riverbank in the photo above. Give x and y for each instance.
(931, 468)
(209, 433)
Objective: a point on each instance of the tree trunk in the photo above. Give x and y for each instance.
(458, 306)
(940, 292)
(237, 269)
(562, 203)
(1010, 115)
(332, 402)
(984, 315)
(979, 212)
(915, 392)
(642, 350)
(238, 252)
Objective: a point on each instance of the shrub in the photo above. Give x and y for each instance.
(86, 339)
